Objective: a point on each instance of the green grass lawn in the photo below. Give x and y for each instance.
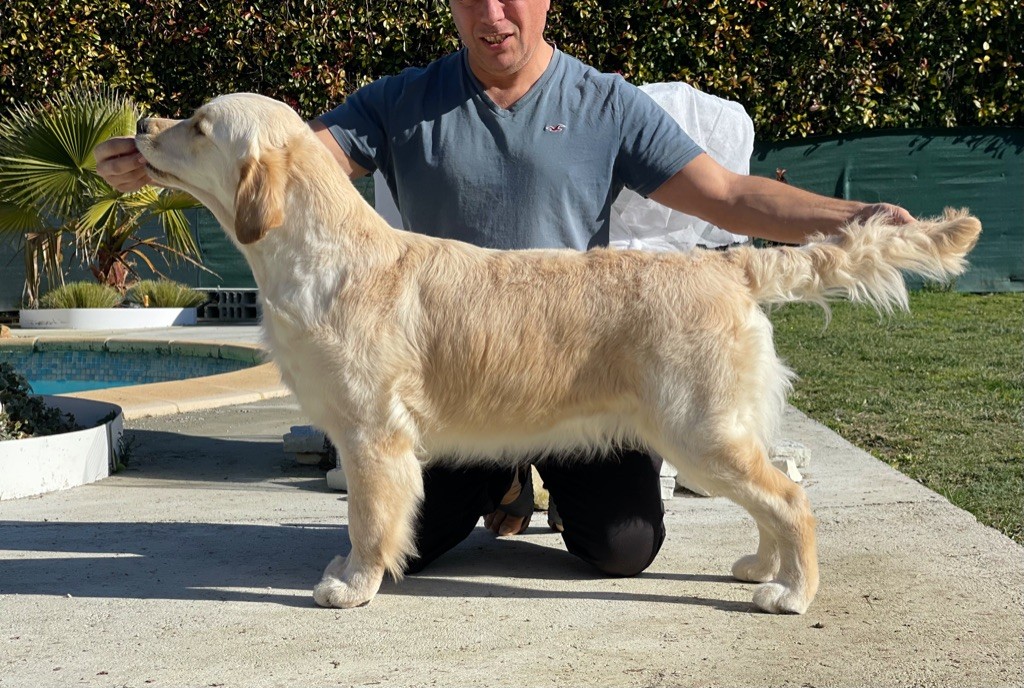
(937, 393)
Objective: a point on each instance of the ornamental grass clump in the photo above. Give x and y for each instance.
(81, 295)
(165, 294)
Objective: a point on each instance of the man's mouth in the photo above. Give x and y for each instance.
(496, 39)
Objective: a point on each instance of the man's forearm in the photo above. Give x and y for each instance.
(760, 207)
(772, 210)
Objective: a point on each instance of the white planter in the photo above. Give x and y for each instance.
(38, 465)
(104, 318)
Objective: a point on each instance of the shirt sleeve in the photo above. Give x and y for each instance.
(653, 147)
(359, 125)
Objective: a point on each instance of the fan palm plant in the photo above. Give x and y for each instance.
(50, 192)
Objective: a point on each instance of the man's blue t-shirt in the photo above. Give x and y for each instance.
(540, 174)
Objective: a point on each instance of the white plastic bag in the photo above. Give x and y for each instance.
(725, 131)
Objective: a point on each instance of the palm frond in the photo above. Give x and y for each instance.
(175, 225)
(158, 200)
(48, 167)
(173, 199)
(52, 186)
(143, 199)
(101, 213)
(178, 232)
(165, 249)
(18, 219)
(46, 151)
(141, 255)
(166, 205)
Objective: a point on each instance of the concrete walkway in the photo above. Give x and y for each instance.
(194, 568)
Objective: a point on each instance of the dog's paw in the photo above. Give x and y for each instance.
(776, 598)
(337, 594)
(344, 589)
(752, 569)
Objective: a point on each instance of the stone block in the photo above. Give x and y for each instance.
(668, 480)
(304, 439)
(336, 479)
(788, 466)
(689, 486)
(540, 494)
(307, 459)
(791, 450)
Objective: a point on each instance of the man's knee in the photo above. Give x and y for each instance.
(623, 551)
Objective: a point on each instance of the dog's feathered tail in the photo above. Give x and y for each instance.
(863, 262)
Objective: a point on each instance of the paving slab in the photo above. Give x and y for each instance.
(194, 567)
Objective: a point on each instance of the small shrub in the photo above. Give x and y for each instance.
(165, 294)
(24, 415)
(125, 452)
(81, 295)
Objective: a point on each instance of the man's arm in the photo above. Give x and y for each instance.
(760, 207)
(353, 170)
(118, 160)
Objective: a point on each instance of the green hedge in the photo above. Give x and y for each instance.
(800, 67)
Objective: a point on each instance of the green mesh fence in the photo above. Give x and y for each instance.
(924, 171)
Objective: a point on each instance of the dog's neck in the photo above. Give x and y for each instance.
(329, 234)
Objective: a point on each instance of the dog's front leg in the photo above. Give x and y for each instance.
(385, 489)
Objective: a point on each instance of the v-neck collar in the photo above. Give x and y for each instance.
(530, 95)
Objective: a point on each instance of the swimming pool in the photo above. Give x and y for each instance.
(75, 366)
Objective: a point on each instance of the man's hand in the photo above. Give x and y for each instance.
(119, 163)
(514, 518)
(500, 523)
(894, 214)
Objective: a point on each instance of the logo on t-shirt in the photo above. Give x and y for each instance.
(555, 128)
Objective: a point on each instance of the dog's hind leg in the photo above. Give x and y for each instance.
(763, 565)
(385, 490)
(786, 559)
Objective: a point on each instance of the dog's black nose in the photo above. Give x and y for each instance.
(141, 126)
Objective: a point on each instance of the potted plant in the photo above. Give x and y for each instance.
(54, 204)
(52, 443)
(92, 306)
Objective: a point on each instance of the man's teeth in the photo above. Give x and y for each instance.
(494, 40)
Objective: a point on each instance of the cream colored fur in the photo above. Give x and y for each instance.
(408, 349)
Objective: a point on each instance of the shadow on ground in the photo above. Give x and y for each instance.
(274, 564)
(171, 456)
(277, 563)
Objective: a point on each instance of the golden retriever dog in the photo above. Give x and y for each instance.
(406, 349)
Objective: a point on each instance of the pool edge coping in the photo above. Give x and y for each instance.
(254, 383)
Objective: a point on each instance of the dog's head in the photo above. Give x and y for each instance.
(232, 155)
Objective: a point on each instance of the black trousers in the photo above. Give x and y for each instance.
(611, 508)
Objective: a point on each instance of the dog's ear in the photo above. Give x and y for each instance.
(259, 201)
